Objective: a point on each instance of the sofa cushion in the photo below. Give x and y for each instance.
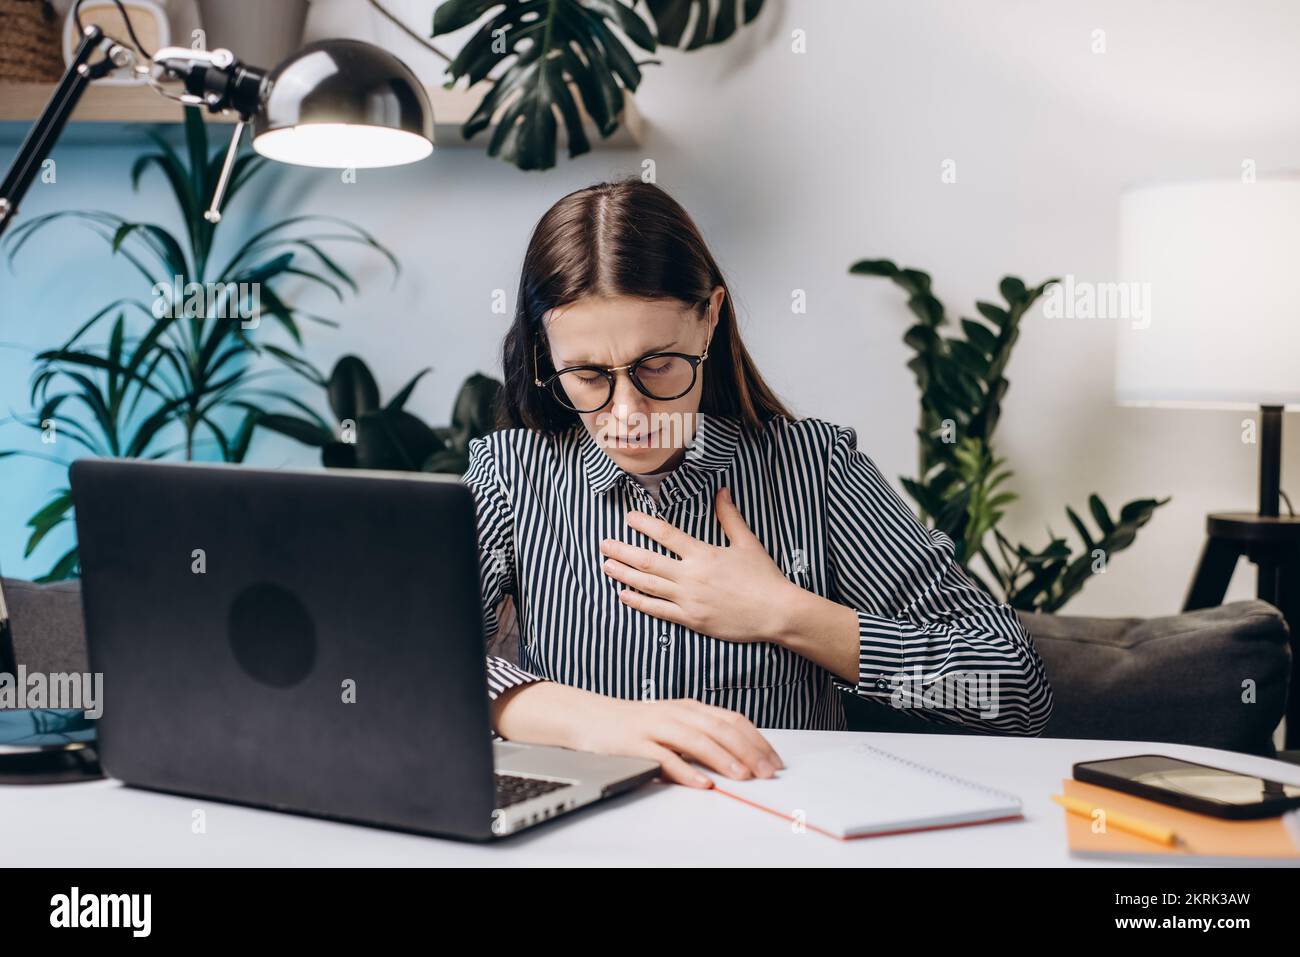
(1182, 679)
(46, 625)
(1215, 677)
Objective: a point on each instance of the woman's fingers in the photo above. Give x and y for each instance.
(743, 742)
(669, 536)
(655, 607)
(691, 742)
(641, 558)
(737, 722)
(650, 584)
(675, 770)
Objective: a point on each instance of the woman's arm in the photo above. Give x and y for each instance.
(909, 625)
(496, 559)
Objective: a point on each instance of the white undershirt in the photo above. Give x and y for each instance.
(650, 483)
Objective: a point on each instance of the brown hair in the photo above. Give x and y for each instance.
(627, 238)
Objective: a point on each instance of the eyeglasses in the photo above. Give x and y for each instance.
(589, 388)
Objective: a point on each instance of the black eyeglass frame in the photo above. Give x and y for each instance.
(630, 368)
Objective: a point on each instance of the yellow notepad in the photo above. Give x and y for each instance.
(1205, 839)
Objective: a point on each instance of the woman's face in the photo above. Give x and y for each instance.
(642, 435)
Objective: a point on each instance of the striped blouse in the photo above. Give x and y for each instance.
(930, 639)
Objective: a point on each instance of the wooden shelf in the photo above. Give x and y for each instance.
(21, 103)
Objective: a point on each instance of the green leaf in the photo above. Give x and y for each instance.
(715, 20)
(541, 48)
(395, 441)
(1080, 527)
(915, 282)
(994, 314)
(474, 411)
(874, 267)
(1012, 289)
(54, 513)
(399, 400)
(970, 358)
(979, 336)
(352, 389)
(65, 568)
(926, 308)
(308, 433)
(1100, 515)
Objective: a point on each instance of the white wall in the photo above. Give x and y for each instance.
(795, 166)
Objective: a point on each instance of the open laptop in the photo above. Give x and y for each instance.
(308, 642)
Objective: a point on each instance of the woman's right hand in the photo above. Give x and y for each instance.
(672, 732)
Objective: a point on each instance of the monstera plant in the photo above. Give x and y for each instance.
(372, 434)
(960, 484)
(550, 49)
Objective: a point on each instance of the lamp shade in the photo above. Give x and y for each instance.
(343, 104)
(1216, 260)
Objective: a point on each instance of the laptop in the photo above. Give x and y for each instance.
(310, 642)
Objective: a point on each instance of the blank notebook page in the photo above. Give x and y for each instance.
(862, 791)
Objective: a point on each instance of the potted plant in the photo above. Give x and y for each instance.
(176, 374)
(959, 484)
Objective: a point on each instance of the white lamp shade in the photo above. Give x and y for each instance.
(1218, 260)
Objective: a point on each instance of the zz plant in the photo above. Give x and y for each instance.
(960, 483)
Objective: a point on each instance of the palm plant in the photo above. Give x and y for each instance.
(178, 375)
(959, 484)
(553, 47)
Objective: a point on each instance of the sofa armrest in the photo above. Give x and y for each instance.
(46, 625)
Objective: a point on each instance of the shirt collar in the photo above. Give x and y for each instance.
(712, 450)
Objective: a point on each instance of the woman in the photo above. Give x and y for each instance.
(687, 560)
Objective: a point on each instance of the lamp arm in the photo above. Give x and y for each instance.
(49, 125)
(209, 78)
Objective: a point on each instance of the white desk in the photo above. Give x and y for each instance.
(105, 824)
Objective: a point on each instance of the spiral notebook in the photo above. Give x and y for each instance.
(863, 791)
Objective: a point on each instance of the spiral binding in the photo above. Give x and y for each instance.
(942, 774)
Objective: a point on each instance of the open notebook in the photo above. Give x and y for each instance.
(862, 791)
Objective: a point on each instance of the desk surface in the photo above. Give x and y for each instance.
(105, 824)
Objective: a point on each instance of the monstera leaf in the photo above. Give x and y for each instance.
(560, 52)
(715, 20)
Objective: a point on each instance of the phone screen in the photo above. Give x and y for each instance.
(1197, 780)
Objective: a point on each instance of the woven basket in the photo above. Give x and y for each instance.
(31, 47)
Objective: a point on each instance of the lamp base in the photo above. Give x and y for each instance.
(59, 764)
(1273, 543)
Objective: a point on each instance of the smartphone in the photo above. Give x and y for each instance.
(1194, 787)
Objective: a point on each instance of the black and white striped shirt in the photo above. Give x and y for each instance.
(828, 519)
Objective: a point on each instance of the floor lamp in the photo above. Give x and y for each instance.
(1215, 260)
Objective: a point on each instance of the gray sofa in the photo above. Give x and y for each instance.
(1216, 677)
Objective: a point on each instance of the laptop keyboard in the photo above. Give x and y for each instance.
(513, 789)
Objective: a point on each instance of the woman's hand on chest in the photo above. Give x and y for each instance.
(736, 593)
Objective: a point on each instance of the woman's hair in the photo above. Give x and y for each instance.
(627, 238)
